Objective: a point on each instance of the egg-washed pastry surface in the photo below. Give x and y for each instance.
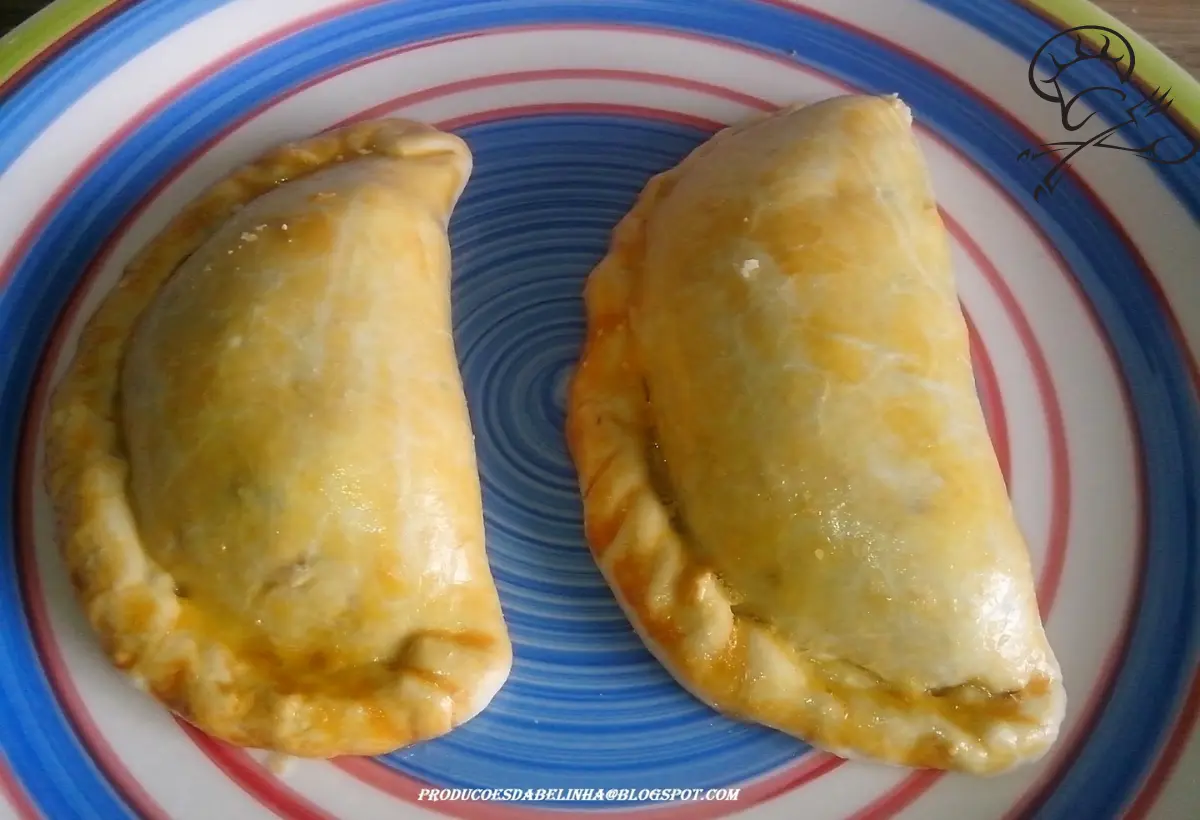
(262, 464)
(787, 477)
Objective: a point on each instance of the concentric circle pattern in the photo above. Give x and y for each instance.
(535, 219)
(1084, 328)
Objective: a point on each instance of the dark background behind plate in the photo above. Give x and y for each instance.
(1172, 25)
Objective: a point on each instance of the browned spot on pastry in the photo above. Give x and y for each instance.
(257, 651)
(171, 687)
(140, 610)
(930, 752)
(600, 532)
(689, 585)
(632, 577)
(656, 464)
(745, 612)
(123, 659)
(196, 220)
(381, 723)
(434, 678)
(318, 662)
(467, 638)
(289, 576)
(79, 581)
(1038, 687)
(599, 472)
(608, 323)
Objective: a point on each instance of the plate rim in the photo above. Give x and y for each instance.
(56, 29)
(49, 33)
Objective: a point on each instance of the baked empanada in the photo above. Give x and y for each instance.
(262, 463)
(788, 480)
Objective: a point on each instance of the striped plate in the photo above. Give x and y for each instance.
(1083, 299)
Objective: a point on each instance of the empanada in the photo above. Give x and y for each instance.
(788, 480)
(262, 463)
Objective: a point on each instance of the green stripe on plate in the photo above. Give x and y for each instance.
(23, 44)
(1154, 69)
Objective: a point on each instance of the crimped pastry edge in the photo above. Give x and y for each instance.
(678, 606)
(129, 600)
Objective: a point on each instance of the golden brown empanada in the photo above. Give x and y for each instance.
(788, 480)
(262, 463)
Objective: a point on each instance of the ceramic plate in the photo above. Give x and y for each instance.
(1077, 267)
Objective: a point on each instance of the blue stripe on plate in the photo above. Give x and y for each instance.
(41, 746)
(1023, 31)
(70, 75)
(1172, 580)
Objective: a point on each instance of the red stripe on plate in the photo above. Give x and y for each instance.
(124, 133)
(254, 779)
(1112, 664)
(77, 714)
(913, 787)
(13, 792)
(402, 787)
(1176, 744)
(272, 796)
(1030, 802)
(123, 781)
(271, 792)
(993, 402)
(545, 75)
(900, 797)
(21, 246)
(538, 109)
(1189, 716)
(917, 784)
(1060, 477)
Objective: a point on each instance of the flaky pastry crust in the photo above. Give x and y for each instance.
(786, 475)
(235, 529)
